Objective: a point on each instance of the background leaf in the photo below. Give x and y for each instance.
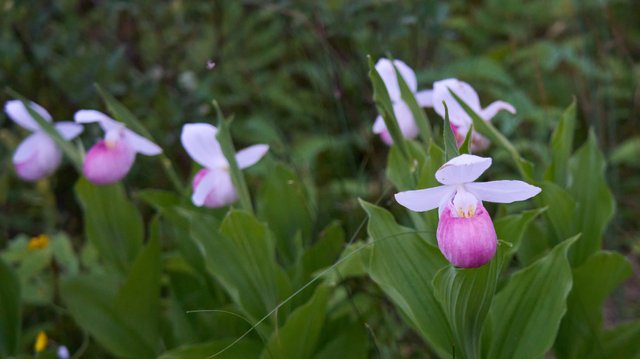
(10, 311)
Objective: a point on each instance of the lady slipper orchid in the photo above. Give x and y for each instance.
(109, 160)
(37, 156)
(212, 185)
(460, 120)
(466, 236)
(401, 111)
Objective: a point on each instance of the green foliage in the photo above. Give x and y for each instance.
(10, 311)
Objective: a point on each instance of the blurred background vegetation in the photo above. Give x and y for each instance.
(294, 75)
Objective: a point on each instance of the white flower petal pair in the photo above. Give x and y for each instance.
(212, 186)
(460, 120)
(37, 156)
(403, 114)
(109, 160)
(465, 234)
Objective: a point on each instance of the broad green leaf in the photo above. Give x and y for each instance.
(64, 254)
(298, 337)
(596, 206)
(284, 205)
(419, 116)
(112, 224)
(403, 265)
(465, 295)
(385, 108)
(246, 348)
(511, 228)
(138, 300)
(487, 129)
(593, 281)
(324, 252)
(10, 311)
(89, 299)
(450, 145)
(561, 146)
(627, 152)
(241, 256)
(622, 341)
(560, 214)
(526, 313)
(350, 342)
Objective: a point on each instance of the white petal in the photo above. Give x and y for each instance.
(457, 115)
(202, 190)
(142, 145)
(462, 169)
(199, 140)
(502, 191)
(491, 110)
(89, 116)
(28, 147)
(425, 98)
(69, 130)
(405, 119)
(388, 74)
(16, 110)
(250, 155)
(379, 125)
(424, 199)
(36, 157)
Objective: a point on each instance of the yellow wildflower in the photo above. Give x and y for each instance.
(41, 342)
(38, 242)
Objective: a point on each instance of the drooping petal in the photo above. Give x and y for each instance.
(213, 188)
(407, 124)
(36, 157)
(379, 125)
(457, 115)
(250, 155)
(68, 130)
(425, 98)
(462, 169)
(107, 163)
(141, 145)
(425, 199)
(16, 110)
(199, 140)
(89, 116)
(505, 191)
(497, 106)
(467, 242)
(388, 74)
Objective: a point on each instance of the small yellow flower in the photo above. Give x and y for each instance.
(41, 342)
(38, 242)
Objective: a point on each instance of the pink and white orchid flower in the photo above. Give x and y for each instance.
(460, 120)
(37, 156)
(109, 160)
(212, 185)
(466, 236)
(402, 112)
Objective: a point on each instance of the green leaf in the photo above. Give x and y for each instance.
(241, 256)
(324, 252)
(138, 300)
(403, 265)
(385, 107)
(626, 153)
(465, 296)
(419, 116)
(511, 228)
(241, 350)
(112, 223)
(450, 145)
(466, 145)
(623, 341)
(526, 313)
(561, 146)
(284, 205)
(487, 129)
(596, 205)
(124, 321)
(350, 342)
(226, 144)
(581, 329)
(298, 337)
(69, 150)
(10, 311)
(560, 214)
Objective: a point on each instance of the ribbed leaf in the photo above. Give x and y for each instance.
(403, 265)
(561, 146)
(526, 313)
(450, 145)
